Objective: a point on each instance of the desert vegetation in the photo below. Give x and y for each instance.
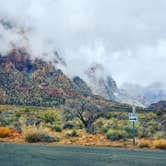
(4, 132)
(38, 134)
(82, 124)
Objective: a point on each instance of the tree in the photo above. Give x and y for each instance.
(85, 111)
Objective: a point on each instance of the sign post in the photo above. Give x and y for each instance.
(133, 118)
(133, 133)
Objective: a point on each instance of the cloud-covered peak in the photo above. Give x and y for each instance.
(127, 37)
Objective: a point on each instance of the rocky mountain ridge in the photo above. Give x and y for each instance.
(36, 82)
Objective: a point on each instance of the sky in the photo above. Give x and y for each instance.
(127, 37)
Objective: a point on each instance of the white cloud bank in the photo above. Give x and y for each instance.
(127, 36)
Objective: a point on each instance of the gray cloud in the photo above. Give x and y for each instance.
(128, 37)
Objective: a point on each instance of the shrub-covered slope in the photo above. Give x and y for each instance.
(32, 82)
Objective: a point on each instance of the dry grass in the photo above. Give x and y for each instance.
(4, 132)
(159, 144)
(38, 134)
(145, 143)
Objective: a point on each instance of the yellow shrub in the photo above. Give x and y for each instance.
(4, 132)
(145, 143)
(160, 144)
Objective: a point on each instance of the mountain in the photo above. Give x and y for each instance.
(143, 95)
(104, 85)
(81, 86)
(32, 82)
(100, 83)
(28, 81)
(161, 105)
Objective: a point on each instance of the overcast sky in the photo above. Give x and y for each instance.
(128, 37)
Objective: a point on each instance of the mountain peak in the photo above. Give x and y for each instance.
(101, 83)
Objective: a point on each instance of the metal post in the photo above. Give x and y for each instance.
(133, 134)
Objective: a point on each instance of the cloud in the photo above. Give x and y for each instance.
(127, 37)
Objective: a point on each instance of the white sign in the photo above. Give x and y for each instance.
(133, 117)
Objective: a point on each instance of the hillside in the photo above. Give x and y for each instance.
(28, 81)
(32, 82)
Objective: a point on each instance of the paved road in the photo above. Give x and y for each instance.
(37, 155)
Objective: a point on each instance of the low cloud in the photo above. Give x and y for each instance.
(127, 37)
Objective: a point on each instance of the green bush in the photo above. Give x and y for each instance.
(18, 114)
(68, 126)
(104, 130)
(108, 115)
(116, 135)
(57, 128)
(100, 126)
(159, 112)
(159, 135)
(142, 132)
(72, 134)
(129, 131)
(50, 117)
(150, 128)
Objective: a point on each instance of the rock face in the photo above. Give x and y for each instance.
(100, 83)
(81, 86)
(32, 82)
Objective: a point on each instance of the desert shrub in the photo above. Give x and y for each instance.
(27, 110)
(144, 144)
(104, 129)
(116, 135)
(68, 125)
(151, 115)
(4, 132)
(72, 134)
(57, 128)
(154, 124)
(108, 115)
(73, 124)
(149, 128)
(122, 124)
(38, 134)
(100, 126)
(99, 123)
(50, 116)
(159, 144)
(113, 123)
(129, 131)
(142, 132)
(18, 114)
(159, 135)
(159, 112)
